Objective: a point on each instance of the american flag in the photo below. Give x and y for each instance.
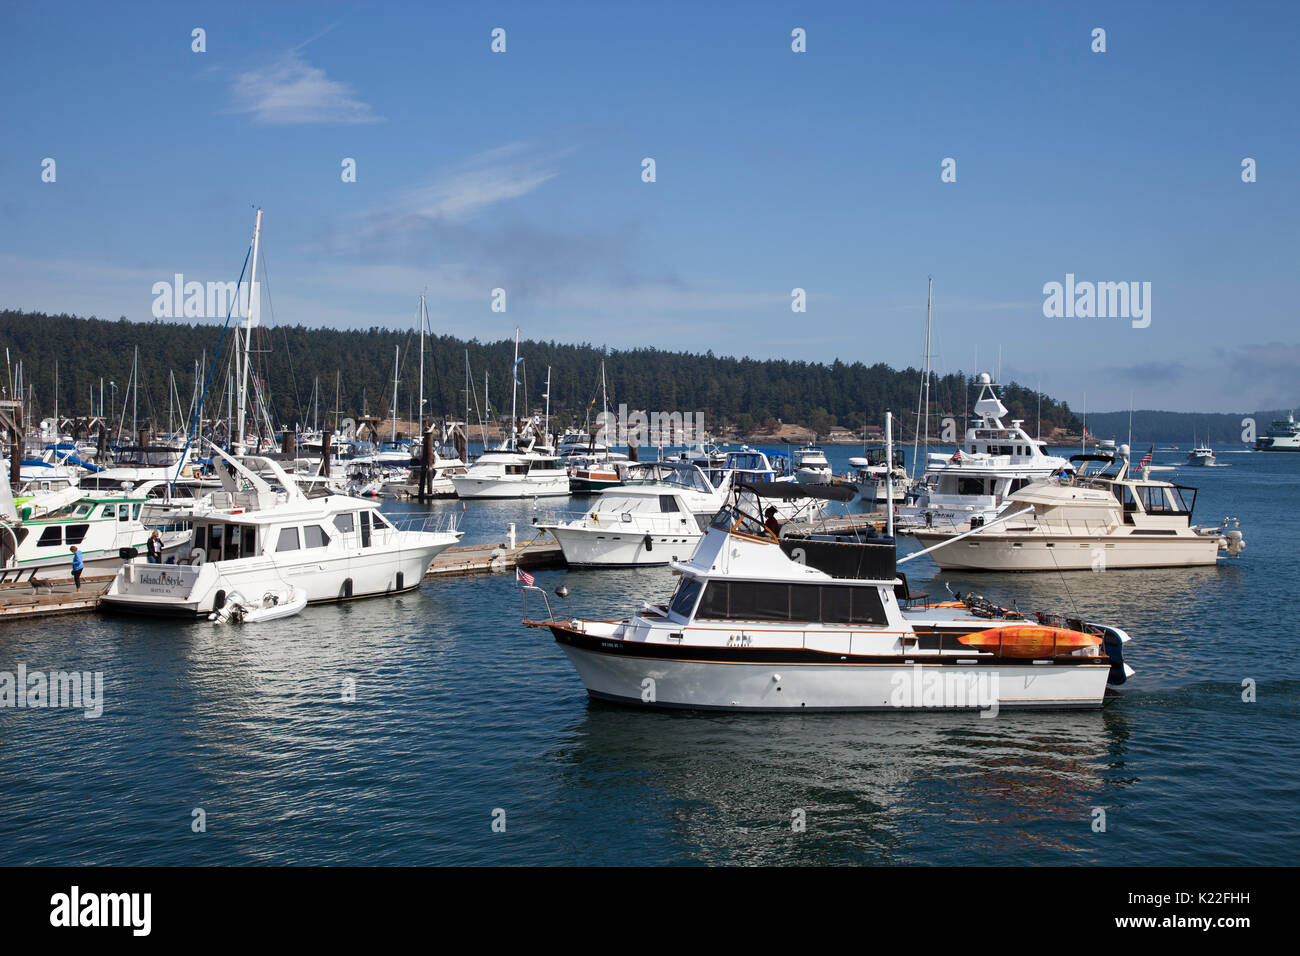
(1146, 459)
(523, 577)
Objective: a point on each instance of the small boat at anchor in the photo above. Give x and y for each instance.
(272, 606)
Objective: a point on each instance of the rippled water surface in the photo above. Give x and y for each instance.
(459, 712)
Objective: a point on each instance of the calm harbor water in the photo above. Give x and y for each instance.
(460, 712)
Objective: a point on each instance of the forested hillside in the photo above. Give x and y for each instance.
(746, 393)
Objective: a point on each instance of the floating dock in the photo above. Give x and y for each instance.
(42, 599)
(496, 558)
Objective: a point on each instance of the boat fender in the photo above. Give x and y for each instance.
(347, 588)
(126, 554)
(649, 543)
(219, 602)
(401, 581)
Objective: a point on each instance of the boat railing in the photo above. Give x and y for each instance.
(673, 522)
(422, 523)
(523, 591)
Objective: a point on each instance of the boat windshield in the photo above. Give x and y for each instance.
(688, 591)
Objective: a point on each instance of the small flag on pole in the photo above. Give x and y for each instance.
(523, 577)
(1146, 459)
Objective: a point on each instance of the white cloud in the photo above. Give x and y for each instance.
(291, 91)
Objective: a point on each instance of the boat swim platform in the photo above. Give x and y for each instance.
(496, 558)
(30, 599)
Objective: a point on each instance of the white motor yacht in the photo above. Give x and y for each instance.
(658, 515)
(810, 465)
(264, 535)
(822, 622)
(875, 481)
(994, 461)
(1098, 521)
(1201, 456)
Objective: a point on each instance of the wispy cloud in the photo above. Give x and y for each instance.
(290, 91)
(459, 194)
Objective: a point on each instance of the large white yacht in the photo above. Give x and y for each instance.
(657, 515)
(1098, 521)
(875, 482)
(1282, 435)
(516, 470)
(994, 461)
(820, 622)
(263, 534)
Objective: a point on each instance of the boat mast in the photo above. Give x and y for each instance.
(396, 355)
(889, 471)
(135, 392)
(604, 405)
(514, 389)
(254, 307)
(925, 384)
(420, 411)
(546, 424)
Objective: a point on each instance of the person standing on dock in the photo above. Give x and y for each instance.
(78, 563)
(155, 548)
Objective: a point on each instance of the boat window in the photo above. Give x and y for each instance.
(51, 536)
(970, 486)
(135, 512)
(381, 521)
(805, 602)
(249, 535)
(76, 533)
(684, 600)
(1176, 502)
(314, 536)
(365, 529)
(201, 537)
(123, 512)
(542, 464)
(232, 543)
(82, 510)
(714, 605)
(216, 535)
(516, 469)
(668, 504)
(344, 523)
(837, 605)
(288, 540)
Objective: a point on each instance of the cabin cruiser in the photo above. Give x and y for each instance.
(658, 515)
(824, 621)
(994, 461)
(1282, 435)
(810, 465)
(875, 482)
(1201, 455)
(1100, 521)
(515, 470)
(756, 466)
(265, 535)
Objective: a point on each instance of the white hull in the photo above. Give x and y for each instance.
(703, 685)
(584, 547)
(1039, 553)
(193, 590)
(523, 487)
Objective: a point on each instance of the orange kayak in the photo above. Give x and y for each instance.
(1029, 641)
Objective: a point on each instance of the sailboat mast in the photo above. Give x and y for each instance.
(396, 355)
(135, 393)
(514, 390)
(254, 307)
(420, 411)
(546, 425)
(929, 303)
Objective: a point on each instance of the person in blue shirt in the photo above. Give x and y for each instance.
(78, 563)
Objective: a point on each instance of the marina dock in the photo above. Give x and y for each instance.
(496, 558)
(27, 601)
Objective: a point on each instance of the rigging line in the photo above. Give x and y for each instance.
(212, 368)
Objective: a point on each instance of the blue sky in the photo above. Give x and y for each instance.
(775, 170)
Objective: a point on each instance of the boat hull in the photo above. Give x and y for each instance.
(591, 547)
(191, 592)
(682, 683)
(1032, 553)
(470, 487)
